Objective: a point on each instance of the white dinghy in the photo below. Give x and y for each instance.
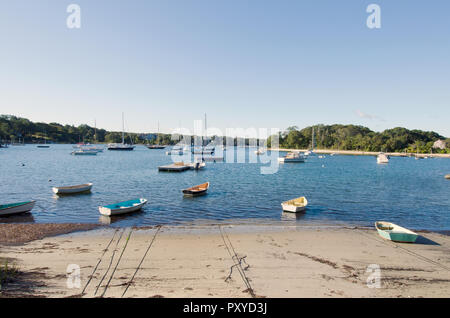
(73, 189)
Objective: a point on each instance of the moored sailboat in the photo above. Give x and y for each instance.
(122, 146)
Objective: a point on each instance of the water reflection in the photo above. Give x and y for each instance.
(26, 217)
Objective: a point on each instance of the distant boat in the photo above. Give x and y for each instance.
(393, 232)
(203, 151)
(88, 147)
(81, 188)
(123, 146)
(382, 158)
(197, 190)
(176, 150)
(82, 152)
(260, 151)
(45, 142)
(14, 208)
(292, 157)
(155, 147)
(447, 176)
(122, 207)
(196, 165)
(295, 205)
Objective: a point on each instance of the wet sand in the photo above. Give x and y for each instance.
(231, 261)
(22, 233)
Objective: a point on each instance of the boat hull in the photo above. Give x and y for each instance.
(397, 234)
(84, 153)
(292, 208)
(82, 188)
(15, 209)
(156, 147)
(122, 207)
(447, 177)
(121, 149)
(194, 193)
(286, 160)
(197, 190)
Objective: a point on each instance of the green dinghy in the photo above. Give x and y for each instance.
(393, 232)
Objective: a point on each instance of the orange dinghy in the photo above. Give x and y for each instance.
(197, 190)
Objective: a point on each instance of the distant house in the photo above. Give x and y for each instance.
(439, 144)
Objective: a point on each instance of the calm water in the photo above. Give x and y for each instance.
(351, 189)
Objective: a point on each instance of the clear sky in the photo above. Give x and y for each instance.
(246, 63)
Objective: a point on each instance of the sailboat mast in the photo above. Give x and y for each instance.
(206, 140)
(123, 130)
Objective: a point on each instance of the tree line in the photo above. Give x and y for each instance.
(337, 137)
(352, 137)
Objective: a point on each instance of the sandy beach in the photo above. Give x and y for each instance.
(229, 261)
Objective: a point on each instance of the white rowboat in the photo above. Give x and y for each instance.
(295, 205)
(122, 207)
(73, 189)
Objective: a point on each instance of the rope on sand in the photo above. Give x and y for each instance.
(237, 262)
(142, 260)
(99, 261)
(110, 262)
(417, 255)
(117, 264)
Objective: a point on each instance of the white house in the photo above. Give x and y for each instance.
(439, 144)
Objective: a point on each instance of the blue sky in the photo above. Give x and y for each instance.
(246, 63)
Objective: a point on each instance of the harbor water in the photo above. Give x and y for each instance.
(351, 190)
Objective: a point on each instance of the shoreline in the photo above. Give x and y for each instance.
(366, 153)
(325, 151)
(19, 234)
(196, 261)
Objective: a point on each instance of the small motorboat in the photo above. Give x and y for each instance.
(81, 188)
(393, 232)
(292, 157)
(14, 208)
(447, 177)
(122, 207)
(382, 158)
(295, 205)
(197, 190)
(196, 165)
